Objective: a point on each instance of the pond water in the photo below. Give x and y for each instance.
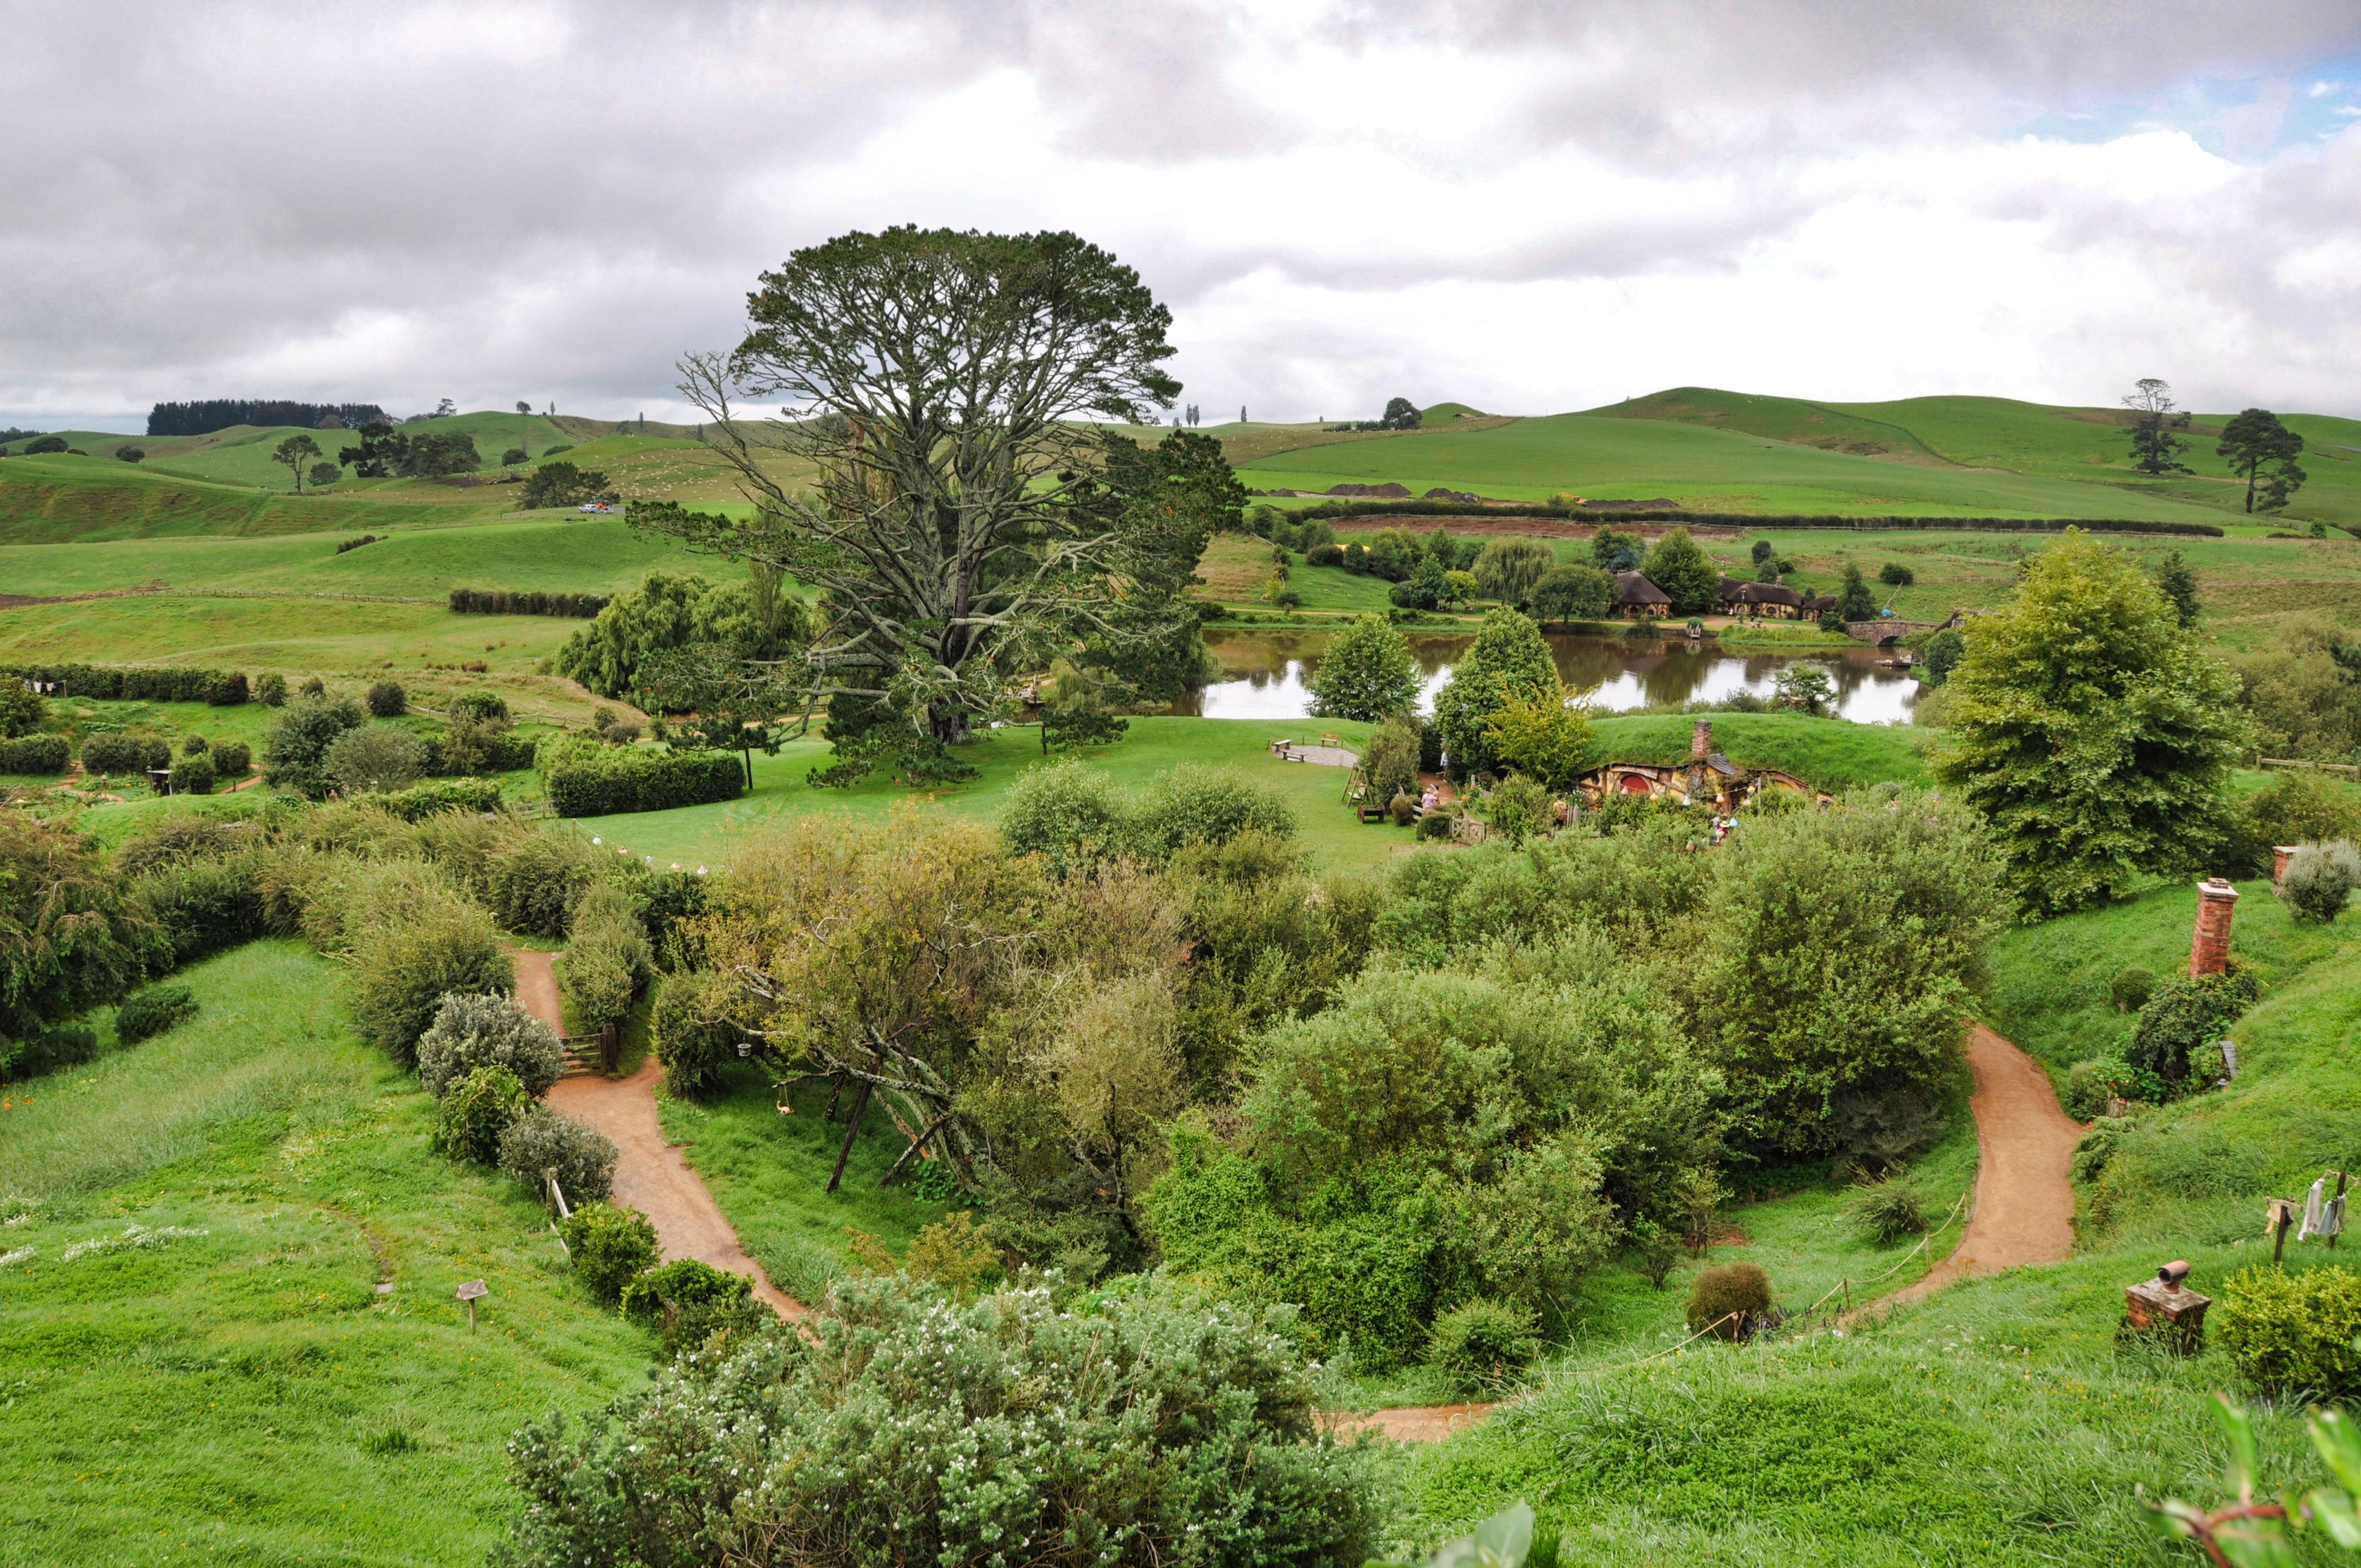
(1265, 674)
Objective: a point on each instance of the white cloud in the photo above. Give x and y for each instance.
(1531, 207)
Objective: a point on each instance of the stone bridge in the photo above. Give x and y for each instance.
(1879, 632)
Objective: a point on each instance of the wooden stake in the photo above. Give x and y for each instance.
(2278, 1243)
(2340, 1193)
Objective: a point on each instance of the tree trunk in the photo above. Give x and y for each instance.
(852, 1131)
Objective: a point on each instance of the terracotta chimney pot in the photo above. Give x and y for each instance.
(1701, 739)
(2209, 946)
(2280, 855)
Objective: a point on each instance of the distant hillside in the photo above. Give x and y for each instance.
(219, 413)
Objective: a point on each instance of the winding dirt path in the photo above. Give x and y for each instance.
(650, 1174)
(2024, 1206)
(2023, 1212)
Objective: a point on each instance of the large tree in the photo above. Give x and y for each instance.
(940, 383)
(1684, 571)
(1367, 672)
(2094, 733)
(293, 454)
(2261, 448)
(2154, 448)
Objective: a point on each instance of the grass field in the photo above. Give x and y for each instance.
(277, 633)
(231, 1387)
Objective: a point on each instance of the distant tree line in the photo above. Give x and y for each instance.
(506, 602)
(1554, 509)
(204, 417)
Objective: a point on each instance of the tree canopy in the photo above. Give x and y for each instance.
(966, 521)
(2156, 450)
(1400, 415)
(1366, 671)
(1687, 574)
(2262, 449)
(1508, 568)
(1507, 661)
(1573, 593)
(2093, 731)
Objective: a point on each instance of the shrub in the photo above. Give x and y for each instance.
(1729, 1301)
(2087, 1087)
(1068, 812)
(953, 1253)
(1366, 671)
(1481, 1345)
(388, 700)
(2187, 1014)
(1196, 804)
(295, 750)
(610, 1247)
(479, 708)
(374, 759)
(40, 1050)
(2320, 880)
(1518, 809)
(1438, 824)
(192, 774)
(1883, 1212)
(1894, 574)
(21, 708)
(271, 690)
(694, 1035)
(607, 962)
(640, 778)
(410, 954)
(1389, 759)
(124, 753)
(146, 1013)
(421, 801)
(1325, 555)
(35, 755)
(477, 1111)
(1508, 569)
(203, 905)
(69, 940)
(2294, 1332)
(224, 688)
(1401, 811)
(1241, 1479)
(487, 1030)
(583, 1157)
(686, 1302)
(231, 759)
(2130, 987)
(533, 885)
(525, 601)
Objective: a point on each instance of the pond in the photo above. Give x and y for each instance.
(1265, 674)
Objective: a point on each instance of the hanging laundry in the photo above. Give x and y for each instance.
(2331, 1219)
(2312, 1206)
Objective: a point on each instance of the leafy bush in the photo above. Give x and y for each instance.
(488, 1030)
(410, 949)
(564, 485)
(192, 774)
(973, 1470)
(2298, 806)
(421, 801)
(295, 750)
(231, 759)
(2186, 1014)
(2320, 880)
(694, 1035)
(1389, 759)
(2130, 987)
(124, 753)
(1481, 1345)
(1438, 824)
(2295, 1333)
(608, 779)
(2087, 1087)
(69, 939)
(374, 759)
(1196, 804)
(203, 905)
(1729, 1301)
(40, 1050)
(141, 683)
(35, 755)
(477, 1111)
(271, 690)
(479, 706)
(686, 1302)
(386, 699)
(608, 962)
(1329, 555)
(1518, 809)
(1894, 574)
(21, 708)
(610, 1247)
(1366, 671)
(146, 1013)
(540, 1140)
(1884, 1212)
(1069, 812)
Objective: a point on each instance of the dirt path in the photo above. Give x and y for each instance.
(2024, 1210)
(650, 1174)
(2023, 1213)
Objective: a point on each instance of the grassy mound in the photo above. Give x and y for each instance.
(1829, 753)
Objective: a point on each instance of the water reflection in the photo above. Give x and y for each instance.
(1266, 674)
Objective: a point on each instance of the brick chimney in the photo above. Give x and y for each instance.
(2209, 947)
(2280, 855)
(1701, 739)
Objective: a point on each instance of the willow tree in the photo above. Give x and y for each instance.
(941, 387)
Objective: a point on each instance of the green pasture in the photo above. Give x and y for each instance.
(1703, 468)
(50, 498)
(236, 1389)
(557, 551)
(290, 634)
(705, 835)
(241, 455)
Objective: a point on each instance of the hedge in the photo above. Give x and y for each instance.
(125, 753)
(34, 754)
(507, 601)
(503, 754)
(424, 800)
(112, 683)
(1743, 520)
(642, 778)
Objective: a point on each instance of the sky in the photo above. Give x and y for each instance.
(1530, 207)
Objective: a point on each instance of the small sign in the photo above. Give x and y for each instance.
(472, 1292)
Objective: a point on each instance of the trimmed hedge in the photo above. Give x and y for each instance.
(108, 683)
(503, 754)
(35, 755)
(507, 601)
(1741, 520)
(642, 778)
(125, 753)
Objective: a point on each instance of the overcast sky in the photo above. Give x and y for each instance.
(1530, 207)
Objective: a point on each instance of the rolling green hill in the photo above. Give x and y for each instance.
(48, 499)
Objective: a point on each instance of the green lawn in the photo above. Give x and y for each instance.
(1829, 753)
(703, 834)
(216, 1378)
